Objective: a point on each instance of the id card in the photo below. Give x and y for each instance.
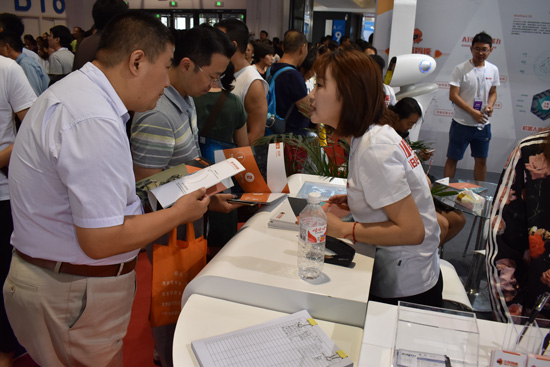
(478, 103)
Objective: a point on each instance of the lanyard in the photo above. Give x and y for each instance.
(480, 83)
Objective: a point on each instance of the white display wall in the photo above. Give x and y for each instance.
(521, 33)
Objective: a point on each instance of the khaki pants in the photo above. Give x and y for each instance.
(68, 320)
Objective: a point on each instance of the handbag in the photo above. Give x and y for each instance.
(174, 266)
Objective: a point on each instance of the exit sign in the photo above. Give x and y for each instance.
(219, 4)
(173, 4)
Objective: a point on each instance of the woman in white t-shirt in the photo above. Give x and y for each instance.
(388, 193)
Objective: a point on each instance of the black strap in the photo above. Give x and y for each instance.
(214, 113)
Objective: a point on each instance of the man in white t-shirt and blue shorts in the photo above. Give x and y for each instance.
(473, 90)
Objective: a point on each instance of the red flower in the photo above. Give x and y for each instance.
(536, 245)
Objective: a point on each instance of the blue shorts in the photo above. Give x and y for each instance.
(460, 136)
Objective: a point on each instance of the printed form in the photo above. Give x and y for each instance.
(293, 340)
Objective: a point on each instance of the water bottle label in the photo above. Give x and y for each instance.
(314, 234)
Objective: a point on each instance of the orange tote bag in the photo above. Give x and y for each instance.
(174, 266)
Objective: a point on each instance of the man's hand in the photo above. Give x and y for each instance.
(192, 206)
(219, 203)
(479, 116)
(489, 110)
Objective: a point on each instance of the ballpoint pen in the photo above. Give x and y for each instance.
(541, 301)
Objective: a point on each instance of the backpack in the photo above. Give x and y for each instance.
(274, 123)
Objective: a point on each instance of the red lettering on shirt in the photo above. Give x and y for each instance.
(414, 161)
(405, 148)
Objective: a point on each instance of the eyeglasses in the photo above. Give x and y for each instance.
(481, 50)
(212, 80)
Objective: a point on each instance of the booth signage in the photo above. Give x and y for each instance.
(25, 5)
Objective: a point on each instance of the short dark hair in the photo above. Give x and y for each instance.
(362, 44)
(380, 61)
(332, 45)
(482, 38)
(261, 50)
(105, 10)
(228, 77)
(12, 39)
(359, 86)
(11, 22)
(293, 40)
(130, 31)
(266, 34)
(63, 33)
(307, 65)
(237, 31)
(406, 107)
(344, 38)
(200, 43)
(30, 38)
(372, 48)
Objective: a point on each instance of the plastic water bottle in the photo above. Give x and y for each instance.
(311, 244)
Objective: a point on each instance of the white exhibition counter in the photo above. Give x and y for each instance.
(254, 279)
(204, 317)
(258, 267)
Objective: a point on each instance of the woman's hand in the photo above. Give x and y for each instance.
(339, 200)
(425, 154)
(334, 226)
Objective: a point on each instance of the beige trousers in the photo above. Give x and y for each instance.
(68, 320)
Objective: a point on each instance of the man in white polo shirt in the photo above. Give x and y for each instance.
(78, 223)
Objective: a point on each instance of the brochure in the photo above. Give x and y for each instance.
(167, 193)
(253, 198)
(264, 168)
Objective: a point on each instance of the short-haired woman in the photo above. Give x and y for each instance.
(388, 194)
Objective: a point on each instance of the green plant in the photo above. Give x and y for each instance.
(305, 154)
(419, 145)
(441, 190)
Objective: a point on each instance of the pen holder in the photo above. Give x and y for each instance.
(530, 342)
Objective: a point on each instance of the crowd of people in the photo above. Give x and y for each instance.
(146, 98)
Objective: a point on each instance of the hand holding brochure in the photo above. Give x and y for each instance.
(170, 192)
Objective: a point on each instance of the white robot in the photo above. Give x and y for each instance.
(404, 71)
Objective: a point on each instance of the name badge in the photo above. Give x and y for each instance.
(478, 103)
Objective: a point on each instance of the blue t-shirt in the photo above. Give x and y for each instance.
(290, 87)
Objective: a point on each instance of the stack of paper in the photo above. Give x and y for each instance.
(283, 217)
(293, 340)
